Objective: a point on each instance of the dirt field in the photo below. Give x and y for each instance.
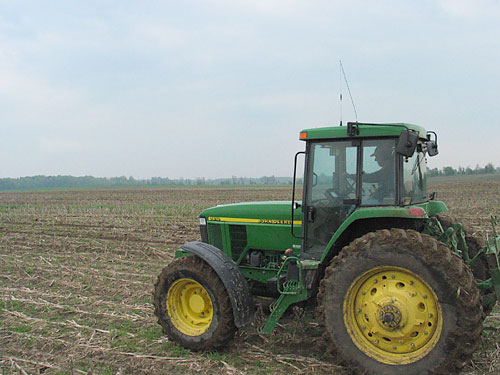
(76, 275)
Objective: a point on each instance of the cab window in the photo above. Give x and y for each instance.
(379, 172)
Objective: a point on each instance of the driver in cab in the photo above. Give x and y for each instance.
(382, 181)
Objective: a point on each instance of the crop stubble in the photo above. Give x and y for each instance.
(77, 269)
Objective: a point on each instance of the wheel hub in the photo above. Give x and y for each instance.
(389, 316)
(196, 303)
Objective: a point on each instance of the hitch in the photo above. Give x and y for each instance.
(454, 238)
(292, 291)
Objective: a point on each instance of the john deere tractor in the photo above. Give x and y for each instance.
(400, 287)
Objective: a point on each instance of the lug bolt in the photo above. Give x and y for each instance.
(431, 316)
(412, 345)
(394, 347)
(411, 282)
(425, 296)
(376, 341)
(426, 333)
(393, 277)
(375, 281)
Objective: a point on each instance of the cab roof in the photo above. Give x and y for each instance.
(363, 130)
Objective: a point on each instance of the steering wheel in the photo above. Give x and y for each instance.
(332, 197)
(350, 186)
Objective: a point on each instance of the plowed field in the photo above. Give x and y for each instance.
(76, 275)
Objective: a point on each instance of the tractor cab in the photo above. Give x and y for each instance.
(359, 166)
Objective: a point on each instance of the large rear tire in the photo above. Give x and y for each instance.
(480, 268)
(400, 302)
(193, 306)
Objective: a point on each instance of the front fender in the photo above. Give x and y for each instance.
(236, 285)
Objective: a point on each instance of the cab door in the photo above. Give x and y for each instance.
(331, 192)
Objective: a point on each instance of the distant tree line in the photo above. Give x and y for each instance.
(450, 171)
(65, 182)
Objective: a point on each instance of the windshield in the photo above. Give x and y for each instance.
(414, 178)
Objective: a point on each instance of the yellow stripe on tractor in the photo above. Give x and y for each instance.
(254, 221)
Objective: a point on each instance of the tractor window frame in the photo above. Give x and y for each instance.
(308, 179)
(358, 142)
(397, 167)
(422, 168)
(315, 215)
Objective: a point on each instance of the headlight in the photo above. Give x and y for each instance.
(203, 221)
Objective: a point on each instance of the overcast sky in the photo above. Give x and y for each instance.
(218, 88)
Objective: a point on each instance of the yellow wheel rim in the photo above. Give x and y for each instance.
(392, 315)
(189, 307)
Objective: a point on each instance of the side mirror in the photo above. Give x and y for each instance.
(407, 143)
(432, 148)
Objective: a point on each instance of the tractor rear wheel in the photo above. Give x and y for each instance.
(480, 268)
(192, 305)
(397, 301)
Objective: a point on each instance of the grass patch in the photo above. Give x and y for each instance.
(174, 350)
(150, 334)
(20, 329)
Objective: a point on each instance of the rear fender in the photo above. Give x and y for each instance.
(236, 285)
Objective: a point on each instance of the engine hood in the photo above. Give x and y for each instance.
(272, 212)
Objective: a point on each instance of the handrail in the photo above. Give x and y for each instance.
(293, 192)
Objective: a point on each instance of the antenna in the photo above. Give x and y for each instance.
(342, 71)
(340, 89)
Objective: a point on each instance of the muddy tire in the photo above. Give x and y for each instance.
(192, 305)
(480, 269)
(400, 302)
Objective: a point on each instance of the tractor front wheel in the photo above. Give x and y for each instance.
(397, 301)
(192, 305)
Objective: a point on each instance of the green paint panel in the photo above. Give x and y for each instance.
(408, 212)
(258, 274)
(273, 210)
(433, 207)
(380, 130)
(270, 237)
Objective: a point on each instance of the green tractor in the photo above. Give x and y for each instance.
(400, 287)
